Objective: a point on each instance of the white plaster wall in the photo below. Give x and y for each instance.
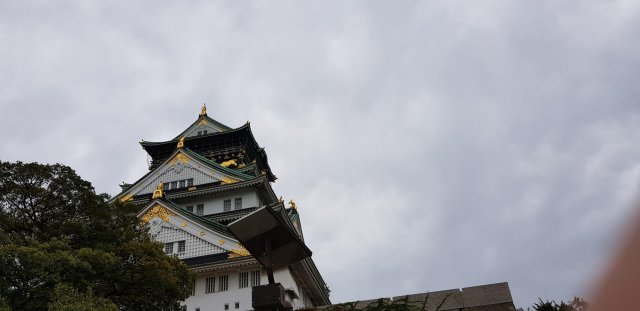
(284, 277)
(215, 301)
(216, 205)
(194, 246)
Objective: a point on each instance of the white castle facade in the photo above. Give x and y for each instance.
(200, 181)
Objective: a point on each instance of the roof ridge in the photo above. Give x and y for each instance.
(175, 139)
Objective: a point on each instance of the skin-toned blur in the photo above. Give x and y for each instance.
(620, 285)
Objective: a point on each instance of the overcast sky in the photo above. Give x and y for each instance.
(428, 145)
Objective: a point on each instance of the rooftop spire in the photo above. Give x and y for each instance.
(203, 110)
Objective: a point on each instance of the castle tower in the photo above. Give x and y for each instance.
(204, 178)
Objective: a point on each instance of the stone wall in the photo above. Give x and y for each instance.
(490, 297)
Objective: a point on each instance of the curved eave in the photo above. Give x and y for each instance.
(246, 127)
(174, 141)
(219, 262)
(259, 183)
(319, 288)
(211, 164)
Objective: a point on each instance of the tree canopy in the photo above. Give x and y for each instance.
(58, 236)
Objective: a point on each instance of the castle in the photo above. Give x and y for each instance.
(200, 181)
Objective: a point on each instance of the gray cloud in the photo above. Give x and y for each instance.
(429, 146)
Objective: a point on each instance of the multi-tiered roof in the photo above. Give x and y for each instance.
(216, 142)
(219, 159)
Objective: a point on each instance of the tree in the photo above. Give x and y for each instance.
(577, 304)
(67, 298)
(56, 231)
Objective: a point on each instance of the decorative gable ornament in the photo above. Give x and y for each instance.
(157, 194)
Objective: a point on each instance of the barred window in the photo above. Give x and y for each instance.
(168, 248)
(193, 288)
(226, 205)
(244, 279)
(190, 208)
(223, 283)
(200, 209)
(226, 306)
(182, 183)
(237, 204)
(237, 304)
(181, 246)
(255, 278)
(210, 285)
(174, 185)
(189, 182)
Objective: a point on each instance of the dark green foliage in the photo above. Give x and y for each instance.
(577, 304)
(54, 230)
(67, 298)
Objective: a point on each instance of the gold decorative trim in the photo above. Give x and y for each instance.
(181, 142)
(229, 163)
(180, 157)
(203, 122)
(157, 211)
(238, 252)
(127, 198)
(158, 193)
(221, 241)
(228, 180)
(183, 224)
(201, 232)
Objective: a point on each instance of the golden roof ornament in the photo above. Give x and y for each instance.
(181, 142)
(293, 204)
(230, 163)
(158, 193)
(203, 110)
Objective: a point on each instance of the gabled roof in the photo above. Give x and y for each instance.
(214, 165)
(260, 183)
(193, 156)
(166, 147)
(175, 140)
(212, 225)
(203, 118)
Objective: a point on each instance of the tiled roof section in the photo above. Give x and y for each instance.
(159, 150)
(206, 259)
(215, 165)
(177, 138)
(222, 229)
(208, 119)
(251, 169)
(227, 217)
(265, 192)
(212, 164)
